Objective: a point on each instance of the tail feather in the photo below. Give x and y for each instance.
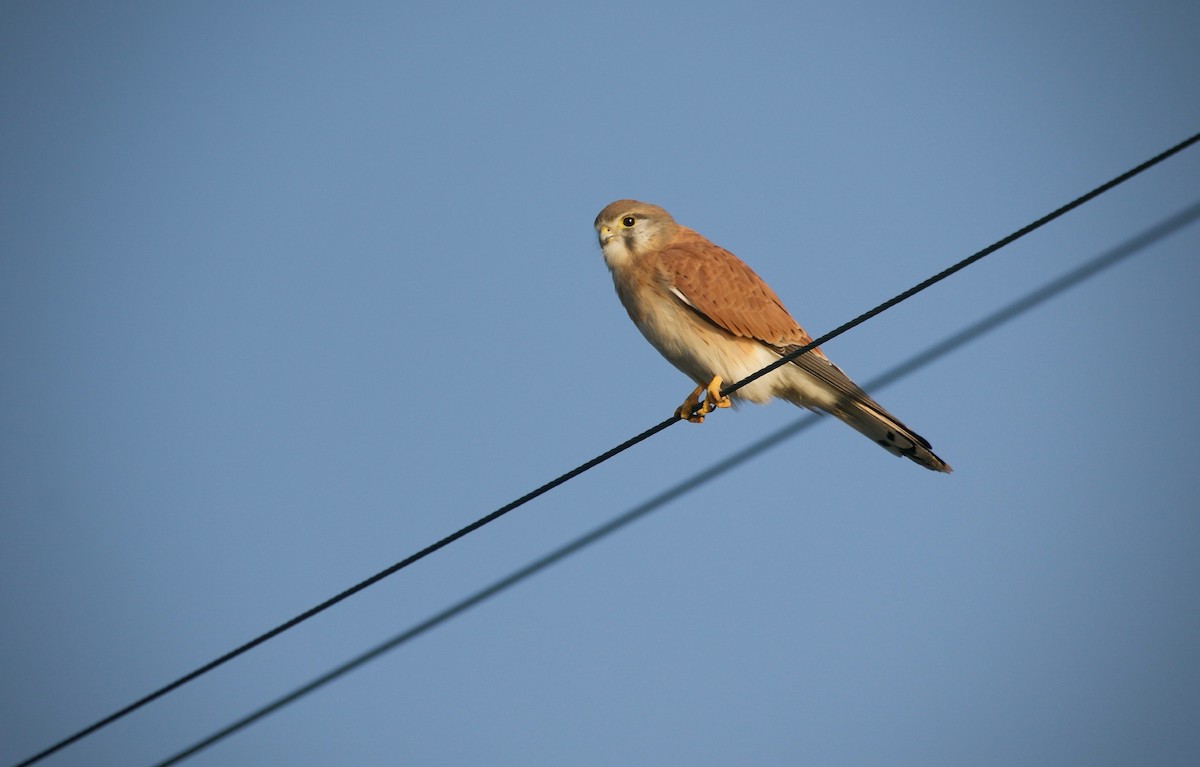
(813, 381)
(885, 430)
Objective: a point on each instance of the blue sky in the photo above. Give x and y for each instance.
(289, 291)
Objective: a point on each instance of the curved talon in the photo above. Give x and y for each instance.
(714, 398)
(712, 401)
(689, 405)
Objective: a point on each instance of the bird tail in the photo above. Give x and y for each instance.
(885, 430)
(813, 381)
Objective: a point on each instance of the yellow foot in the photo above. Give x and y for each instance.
(714, 398)
(712, 401)
(689, 404)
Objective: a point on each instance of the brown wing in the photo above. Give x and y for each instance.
(728, 293)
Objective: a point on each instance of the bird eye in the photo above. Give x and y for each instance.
(628, 221)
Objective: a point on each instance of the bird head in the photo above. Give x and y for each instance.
(628, 229)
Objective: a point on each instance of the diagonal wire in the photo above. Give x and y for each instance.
(947, 345)
(347, 593)
(1070, 206)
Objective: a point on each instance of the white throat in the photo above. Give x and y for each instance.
(616, 255)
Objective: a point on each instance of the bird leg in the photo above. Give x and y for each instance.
(689, 404)
(712, 401)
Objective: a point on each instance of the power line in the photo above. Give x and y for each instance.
(1070, 206)
(947, 345)
(347, 593)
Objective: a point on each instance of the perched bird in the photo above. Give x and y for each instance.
(717, 321)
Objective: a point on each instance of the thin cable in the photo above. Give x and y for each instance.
(591, 464)
(347, 593)
(1072, 205)
(944, 347)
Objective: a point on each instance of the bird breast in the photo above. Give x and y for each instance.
(698, 348)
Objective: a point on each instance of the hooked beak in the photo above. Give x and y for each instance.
(606, 234)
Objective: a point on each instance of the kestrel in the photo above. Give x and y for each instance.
(713, 318)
